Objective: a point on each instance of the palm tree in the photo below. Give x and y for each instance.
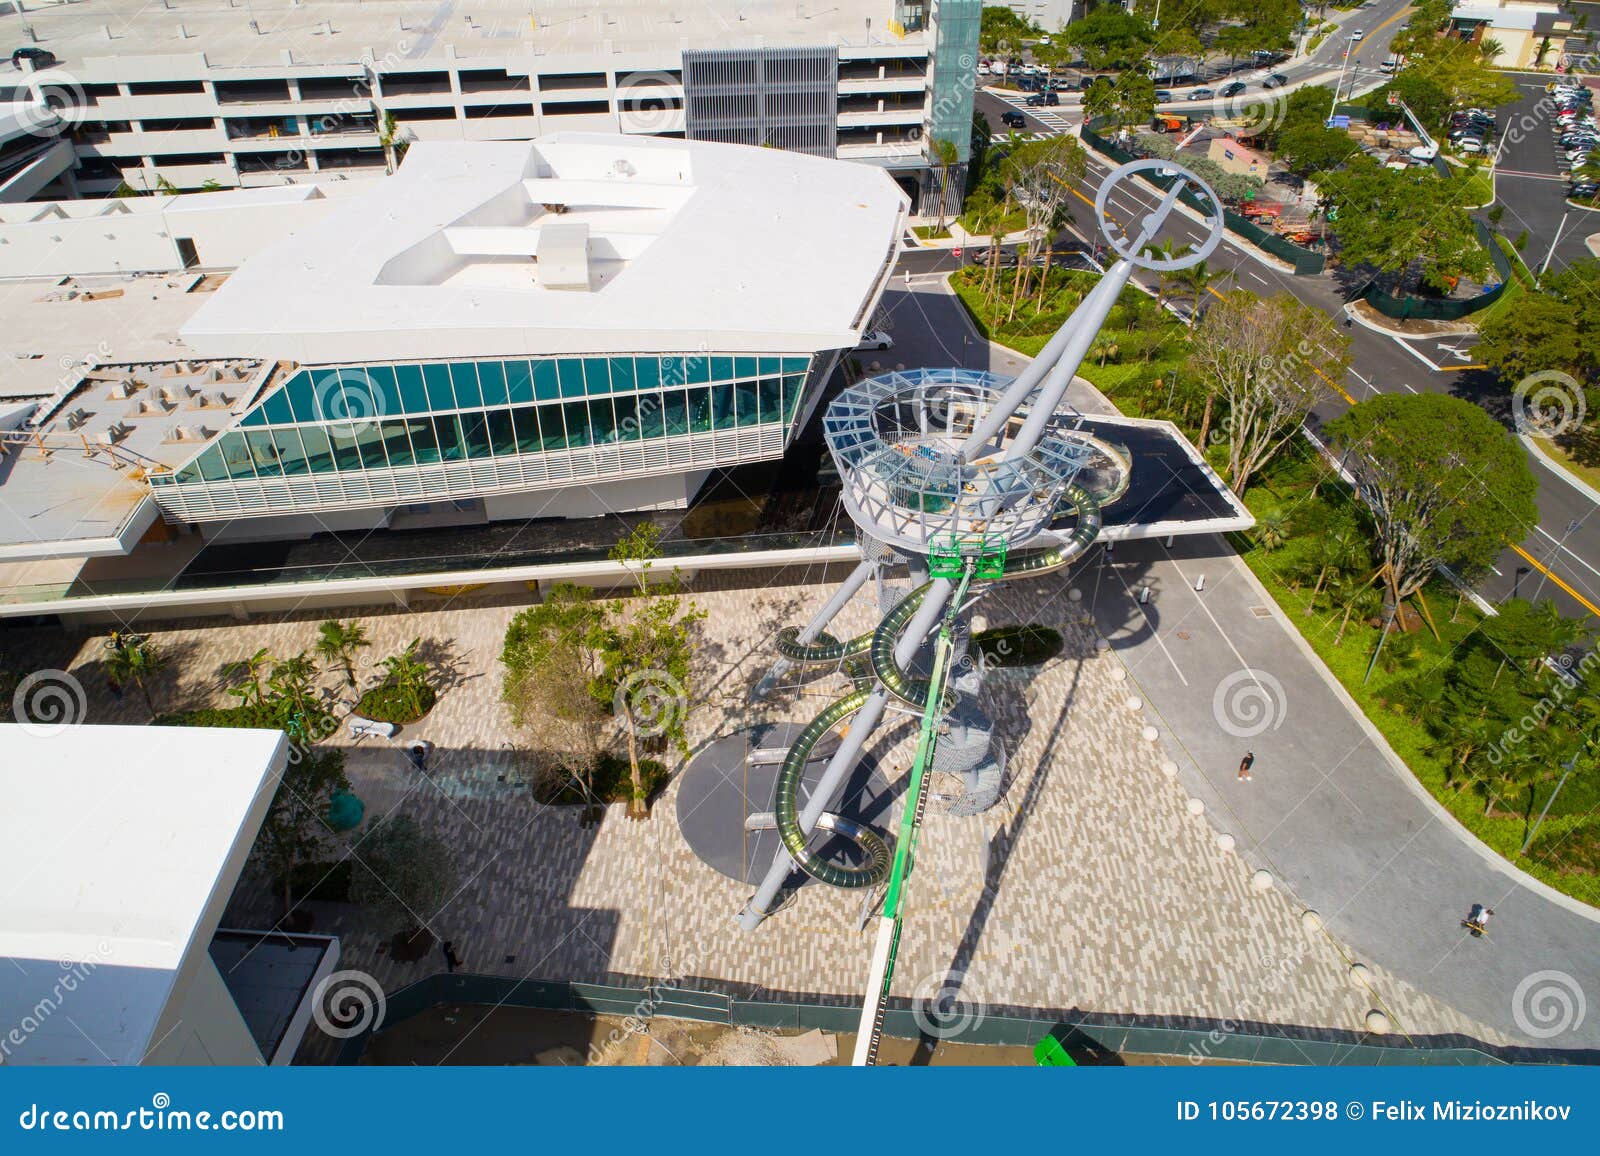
(1336, 551)
(338, 642)
(252, 669)
(408, 675)
(133, 658)
(1105, 347)
(1272, 531)
(1365, 601)
(1196, 279)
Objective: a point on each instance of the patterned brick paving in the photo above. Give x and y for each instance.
(1090, 887)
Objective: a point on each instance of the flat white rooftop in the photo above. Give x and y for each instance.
(688, 245)
(402, 33)
(119, 848)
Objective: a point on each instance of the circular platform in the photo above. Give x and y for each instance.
(720, 789)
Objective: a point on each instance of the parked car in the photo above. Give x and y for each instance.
(38, 57)
(1470, 144)
(1013, 120)
(1202, 94)
(1232, 90)
(875, 339)
(1040, 99)
(1275, 80)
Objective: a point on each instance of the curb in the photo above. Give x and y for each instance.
(1532, 445)
(1488, 854)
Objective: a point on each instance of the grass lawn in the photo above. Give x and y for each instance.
(1013, 222)
(1521, 283)
(931, 232)
(1475, 187)
(1568, 838)
(1566, 461)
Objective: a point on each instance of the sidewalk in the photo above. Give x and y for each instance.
(1330, 811)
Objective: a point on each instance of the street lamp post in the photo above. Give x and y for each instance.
(1349, 50)
(1516, 580)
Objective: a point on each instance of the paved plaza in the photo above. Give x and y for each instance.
(1091, 888)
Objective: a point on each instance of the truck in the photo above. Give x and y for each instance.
(1170, 122)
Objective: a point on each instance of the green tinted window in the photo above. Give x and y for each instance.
(413, 396)
(553, 427)
(675, 411)
(699, 410)
(396, 443)
(651, 423)
(519, 382)
(721, 368)
(236, 456)
(319, 453)
(748, 404)
(502, 435)
(744, 367)
(722, 406)
(546, 380)
(275, 410)
(771, 390)
(424, 440)
(577, 416)
(647, 372)
(369, 442)
(385, 390)
(346, 453)
(526, 420)
(770, 365)
(302, 393)
(437, 379)
(627, 410)
(475, 431)
(795, 364)
(696, 368)
(597, 374)
(621, 374)
(571, 373)
(291, 456)
(674, 371)
(451, 446)
(465, 376)
(211, 466)
(602, 420)
(492, 379)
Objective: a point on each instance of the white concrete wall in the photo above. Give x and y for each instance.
(202, 1025)
(295, 527)
(664, 493)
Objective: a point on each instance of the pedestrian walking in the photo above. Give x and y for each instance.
(1246, 763)
(417, 752)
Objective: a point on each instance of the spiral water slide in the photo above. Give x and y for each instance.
(986, 487)
(879, 648)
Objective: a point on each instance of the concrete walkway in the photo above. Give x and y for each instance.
(1330, 811)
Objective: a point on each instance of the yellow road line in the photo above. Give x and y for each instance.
(1459, 368)
(1554, 577)
(1392, 19)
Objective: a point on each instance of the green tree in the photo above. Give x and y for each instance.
(1391, 219)
(1314, 148)
(403, 873)
(1444, 484)
(410, 677)
(338, 642)
(254, 670)
(1001, 30)
(1269, 360)
(134, 658)
(554, 679)
(295, 829)
(945, 157)
(1109, 37)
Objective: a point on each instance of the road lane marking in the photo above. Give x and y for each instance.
(1565, 549)
(1459, 368)
(1556, 578)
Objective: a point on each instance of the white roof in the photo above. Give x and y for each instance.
(403, 34)
(735, 247)
(119, 848)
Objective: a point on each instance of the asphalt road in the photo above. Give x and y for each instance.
(1560, 559)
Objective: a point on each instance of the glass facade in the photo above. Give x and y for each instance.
(387, 417)
(954, 73)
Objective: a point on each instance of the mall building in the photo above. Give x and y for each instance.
(190, 94)
(584, 324)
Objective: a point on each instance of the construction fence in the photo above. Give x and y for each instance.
(1248, 1043)
(1446, 308)
(1305, 262)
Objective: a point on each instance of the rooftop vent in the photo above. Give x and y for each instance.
(564, 256)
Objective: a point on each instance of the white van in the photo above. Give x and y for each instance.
(1392, 64)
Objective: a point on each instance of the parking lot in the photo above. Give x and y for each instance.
(1531, 182)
